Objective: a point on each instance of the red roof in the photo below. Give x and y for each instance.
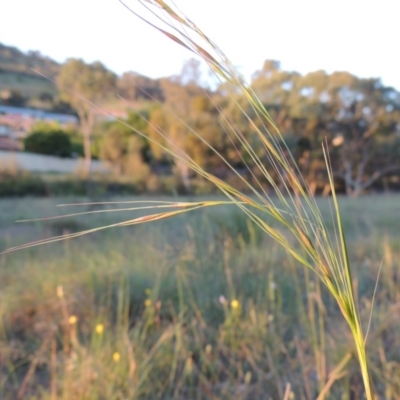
(7, 143)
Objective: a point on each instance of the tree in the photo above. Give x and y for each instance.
(187, 109)
(12, 98)
(364, 133)
(358, 117)
(132, 86)
(113, 149)
(124, 152)
(83, 85)
(167, 125)
(50, 141)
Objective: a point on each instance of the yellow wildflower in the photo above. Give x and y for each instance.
(99, 329)
(247, 378)
(147, 302)
(72, 320)
(235, 304)
(60, 292)
(116, 356)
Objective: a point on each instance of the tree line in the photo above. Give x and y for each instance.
(358, 118)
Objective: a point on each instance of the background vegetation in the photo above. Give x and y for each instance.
(358, 117)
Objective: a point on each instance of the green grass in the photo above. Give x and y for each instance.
(310, 321)
(187, 344)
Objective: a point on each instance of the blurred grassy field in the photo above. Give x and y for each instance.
(199, 306)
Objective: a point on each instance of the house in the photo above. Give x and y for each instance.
(15, 127)
(5, 129)
(10, 144)
(38, 115)
(17, 122)
(9, 134)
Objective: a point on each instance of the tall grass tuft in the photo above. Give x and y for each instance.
(301, 229)
(294, 206)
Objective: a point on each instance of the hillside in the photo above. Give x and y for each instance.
(13, 60)
(19, 84)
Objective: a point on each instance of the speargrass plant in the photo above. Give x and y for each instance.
(304, 235)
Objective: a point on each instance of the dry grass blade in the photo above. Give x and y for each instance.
(336, 374)
(185, 207)
(287, 391)
(329, 261)
(169, 205)
(292, 206)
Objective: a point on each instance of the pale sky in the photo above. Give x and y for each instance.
(360, 36)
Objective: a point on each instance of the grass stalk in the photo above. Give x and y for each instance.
(329, 262)
(302, 230)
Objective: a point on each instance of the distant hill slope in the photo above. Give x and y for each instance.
(16, 74)
(20, 86)
(14, 60)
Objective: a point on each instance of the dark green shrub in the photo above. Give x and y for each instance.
(23, 185)
(55, 142)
